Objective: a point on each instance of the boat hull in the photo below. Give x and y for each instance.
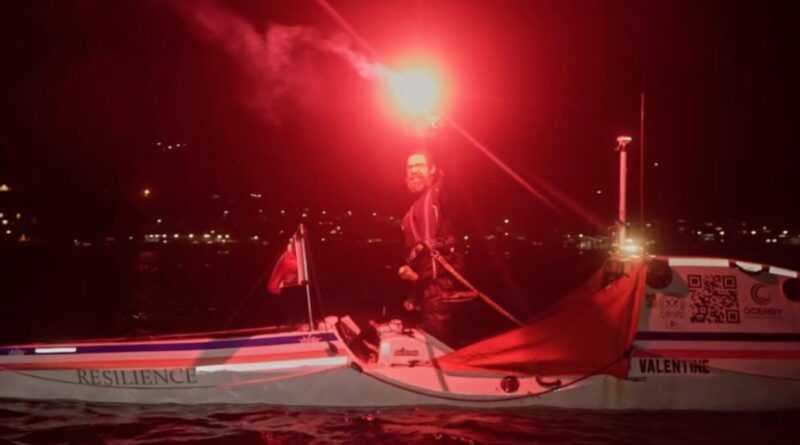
(347, 386)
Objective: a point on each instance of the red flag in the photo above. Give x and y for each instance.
(289, 270)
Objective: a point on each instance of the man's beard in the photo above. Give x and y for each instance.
(416, 184)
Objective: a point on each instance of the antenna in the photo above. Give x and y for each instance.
(622, 144)
(641, 162)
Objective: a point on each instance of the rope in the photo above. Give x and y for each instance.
(449, 267)
(247, 297)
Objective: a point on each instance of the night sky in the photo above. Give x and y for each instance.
(90, 87)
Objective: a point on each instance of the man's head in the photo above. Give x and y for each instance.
(421, 171)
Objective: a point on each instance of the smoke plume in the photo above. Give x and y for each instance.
(280, 62)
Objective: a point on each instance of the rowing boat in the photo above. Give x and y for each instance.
(701, 333)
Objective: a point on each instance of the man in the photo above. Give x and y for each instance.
(428, 233)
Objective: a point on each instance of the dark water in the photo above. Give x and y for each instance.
(60, 293)
(57, 293)
(59, 423)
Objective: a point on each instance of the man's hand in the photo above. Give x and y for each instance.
(407, 273)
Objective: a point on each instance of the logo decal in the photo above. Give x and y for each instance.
(403, 352)
(760, 294)
(309, 339)
(672, 307)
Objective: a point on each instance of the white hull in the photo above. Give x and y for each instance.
(344, 386)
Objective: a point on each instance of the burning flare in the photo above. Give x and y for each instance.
(416, 91)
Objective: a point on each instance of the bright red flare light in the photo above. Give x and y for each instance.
(415, 91)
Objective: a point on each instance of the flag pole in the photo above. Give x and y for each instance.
(305, 281)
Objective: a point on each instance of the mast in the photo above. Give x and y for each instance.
(302, 274)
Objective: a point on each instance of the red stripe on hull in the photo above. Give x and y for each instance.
(718, 353)
(163, 363)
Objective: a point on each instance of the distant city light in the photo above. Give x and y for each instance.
(599, 192)
(506, 221)
(158, 221)
(146, 193)
(655, 164)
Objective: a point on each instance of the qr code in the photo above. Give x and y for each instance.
(713, 299)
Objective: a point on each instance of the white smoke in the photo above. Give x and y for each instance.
(279, 61)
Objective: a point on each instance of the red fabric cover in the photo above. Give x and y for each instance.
(580, 334)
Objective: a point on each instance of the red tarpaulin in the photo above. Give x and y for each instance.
(583, 333)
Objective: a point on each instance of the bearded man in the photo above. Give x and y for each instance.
(428, 234)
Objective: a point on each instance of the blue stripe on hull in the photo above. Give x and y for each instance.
(150, 347)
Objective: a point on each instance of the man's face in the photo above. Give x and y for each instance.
(419, 173)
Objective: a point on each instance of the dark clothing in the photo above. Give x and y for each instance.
(427, 229)
(426, 224)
